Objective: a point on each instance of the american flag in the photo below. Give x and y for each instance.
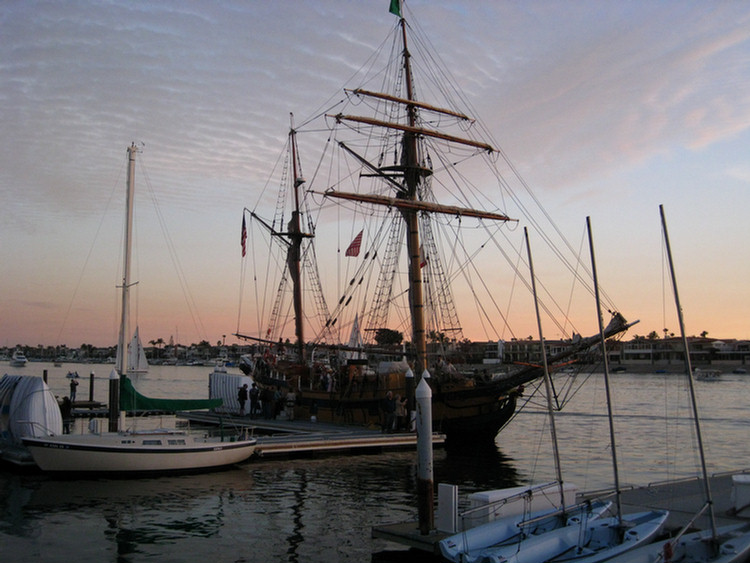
(353, 249)
(243, 238)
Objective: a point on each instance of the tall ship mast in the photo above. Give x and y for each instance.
(421, 183)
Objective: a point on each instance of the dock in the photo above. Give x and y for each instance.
(280, 437)
(684, 499)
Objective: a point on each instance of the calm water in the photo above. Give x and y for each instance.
(316, 510)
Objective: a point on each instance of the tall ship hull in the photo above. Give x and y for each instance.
(461, 411)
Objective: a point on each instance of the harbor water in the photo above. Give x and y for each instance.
(322, 509)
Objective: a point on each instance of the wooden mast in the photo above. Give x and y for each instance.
(407, 199)
(295, 248)
(412, 177)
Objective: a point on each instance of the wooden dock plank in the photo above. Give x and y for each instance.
(284, 437)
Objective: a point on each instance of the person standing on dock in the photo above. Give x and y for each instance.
(290, 402)
(400, 413)
(389, 409)
(242, 398)
(65, 411)
(254, 400)
(267, 402)
(73, 388)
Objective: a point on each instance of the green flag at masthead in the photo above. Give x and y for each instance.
(395, 7)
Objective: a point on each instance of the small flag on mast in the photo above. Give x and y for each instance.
(243, 238)
(395, 7)
(422, 257)
(353, 249)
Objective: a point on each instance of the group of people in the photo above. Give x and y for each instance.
(394, 413)
(266, 402)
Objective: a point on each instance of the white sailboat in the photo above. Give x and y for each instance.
(726, 544)
(137, 361)
(131, 451)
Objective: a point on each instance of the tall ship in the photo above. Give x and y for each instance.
(407, 201)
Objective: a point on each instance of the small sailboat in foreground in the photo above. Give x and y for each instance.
(726, 544)
(135, 451)
(580, 541)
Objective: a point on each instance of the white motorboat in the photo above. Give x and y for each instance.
(18, 359)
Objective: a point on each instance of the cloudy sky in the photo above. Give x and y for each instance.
(607, 108)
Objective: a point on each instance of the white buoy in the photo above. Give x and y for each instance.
(423, 397)
(410, 400)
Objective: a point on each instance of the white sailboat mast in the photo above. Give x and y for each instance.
(689, 374)
(547, 379)
(122, 342)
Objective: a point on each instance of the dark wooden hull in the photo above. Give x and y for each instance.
(464, 410)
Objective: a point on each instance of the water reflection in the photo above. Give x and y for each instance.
(323, 509)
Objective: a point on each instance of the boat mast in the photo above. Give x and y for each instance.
(122, 343)
(407, 199)
(547, 379)
(295, 248)
(412, 176)
(605, 360)
(689, 373)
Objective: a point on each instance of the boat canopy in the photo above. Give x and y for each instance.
(132, 400)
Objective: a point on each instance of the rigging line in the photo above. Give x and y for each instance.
(663, 287)
(271, 176)
(242, 278)
(182, 278)
(272, 259)
(483, 283)
(545, 213)
(542, 304)
(573, 284)
(115, 186)
(432, 54)
(368, 64)
(513, 169)
(360, 271)
(450, 169)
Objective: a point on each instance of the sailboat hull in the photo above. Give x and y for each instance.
(733, 545)
(135, 453)
(601, 541)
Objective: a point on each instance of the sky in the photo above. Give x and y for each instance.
(607, 108)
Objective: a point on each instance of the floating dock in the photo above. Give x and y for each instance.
(683, 499)
(303, 437)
